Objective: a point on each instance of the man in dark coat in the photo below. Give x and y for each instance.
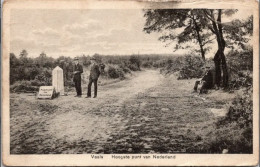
(93, 77)
(77, 71)
(207, 81)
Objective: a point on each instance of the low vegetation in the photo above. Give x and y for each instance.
(235, 130)
(232, 132)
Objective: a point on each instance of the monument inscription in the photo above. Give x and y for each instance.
(46, 92)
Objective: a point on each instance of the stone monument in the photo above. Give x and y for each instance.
(57, 80)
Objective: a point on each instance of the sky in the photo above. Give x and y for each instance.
(74, 32)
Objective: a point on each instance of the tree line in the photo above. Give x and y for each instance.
(39, 69)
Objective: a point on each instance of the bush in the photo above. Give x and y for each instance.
(241, 110)
(115, 72)
(232, 138)
(24, 86)
(192, 68)
(240, 60)
(147, 64)
(240, 66)
(187, 66)
(30, 79)
(234, 131)
(160, 63)
(135, 61)
(45, 76)
(125, 68)
(98, 58)
(242, 79)
(133, 67)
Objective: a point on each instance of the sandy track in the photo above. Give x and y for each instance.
(68, 120)
(148, 113)
(80, 122)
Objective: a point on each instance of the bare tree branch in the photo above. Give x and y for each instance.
(208, 41)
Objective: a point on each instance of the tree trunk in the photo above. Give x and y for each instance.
(199, 38)
(219, 58)
(200, 43)
(222, 55)
(202, 52)
(225, 71)
(217, 62)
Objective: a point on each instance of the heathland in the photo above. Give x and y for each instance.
(145, 104)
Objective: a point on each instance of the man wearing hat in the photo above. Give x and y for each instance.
(77, 71)
(93, 77)
(207, 81)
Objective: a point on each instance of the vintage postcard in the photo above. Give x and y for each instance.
(130, 83)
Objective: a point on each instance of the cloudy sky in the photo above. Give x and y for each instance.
(76, 32)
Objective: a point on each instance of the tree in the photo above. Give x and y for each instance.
(238, 33)
(215, 18)
(44, 61)
(183, 25)
(85, 60)
(41, 60)
(23, 56)
(14, 72)
(201, 24)
(13, 60)
(97, 57)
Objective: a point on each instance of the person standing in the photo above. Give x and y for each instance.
(93, 77)
(77, 71)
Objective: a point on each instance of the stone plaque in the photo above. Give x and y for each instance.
(57, 80)
(46, 92)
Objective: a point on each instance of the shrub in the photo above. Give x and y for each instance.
(160, 63)
(135, 60)
(241, 79)
(133, 67)
(115, 72)
(120, 73)
(125, 68)
(186, 66)
(240, 60)
(234, 131)
(240, 65)
(191, 68)
(232, 138)
(147, 64)
(241, 110)
(98, 58)
(23, 86)
(112, 72)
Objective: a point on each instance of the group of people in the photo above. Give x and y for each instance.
(93, 77)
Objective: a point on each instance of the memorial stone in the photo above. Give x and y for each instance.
(57, 80)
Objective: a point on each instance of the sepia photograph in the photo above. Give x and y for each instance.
(152, 82)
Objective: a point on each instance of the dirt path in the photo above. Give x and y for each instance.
(88, 119)
(148, 113)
